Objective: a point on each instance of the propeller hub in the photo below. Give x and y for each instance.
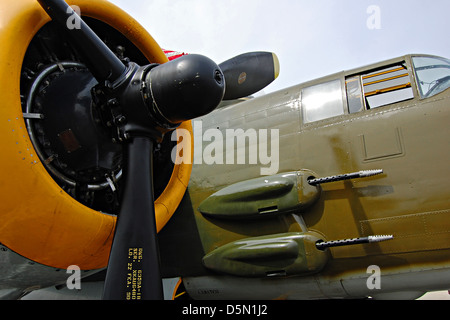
(185, 88)
(155, 99)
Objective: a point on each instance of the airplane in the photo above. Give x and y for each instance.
(155, 179)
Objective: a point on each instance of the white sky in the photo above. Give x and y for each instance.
(311, 38)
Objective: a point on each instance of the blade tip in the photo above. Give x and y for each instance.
(276, 65)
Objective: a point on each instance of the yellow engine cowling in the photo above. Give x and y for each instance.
(39, 220)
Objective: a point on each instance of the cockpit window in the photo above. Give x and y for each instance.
(377, 88)
(433, 75)
(322, 101)
(387, 86)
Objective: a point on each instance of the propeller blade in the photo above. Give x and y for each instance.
(249, 73)
(133, 268)
(101, 61)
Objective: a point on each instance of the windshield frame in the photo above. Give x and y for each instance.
(441, 64)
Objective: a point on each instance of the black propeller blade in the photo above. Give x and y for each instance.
(147, 102)
(102, 62)
(133, 268)
(248, 73)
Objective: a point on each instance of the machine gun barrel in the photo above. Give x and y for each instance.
(347, 176)
(347, 242)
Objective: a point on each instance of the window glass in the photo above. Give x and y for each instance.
(433, 75)
(384, 99)
(354, 94)
(322, 101)
(387, 86)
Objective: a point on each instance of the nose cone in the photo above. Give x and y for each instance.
(186, 88)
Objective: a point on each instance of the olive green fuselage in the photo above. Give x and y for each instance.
(409, 140)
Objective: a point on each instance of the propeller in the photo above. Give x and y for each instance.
(143, 103)
(246, 73)
(152, 100)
